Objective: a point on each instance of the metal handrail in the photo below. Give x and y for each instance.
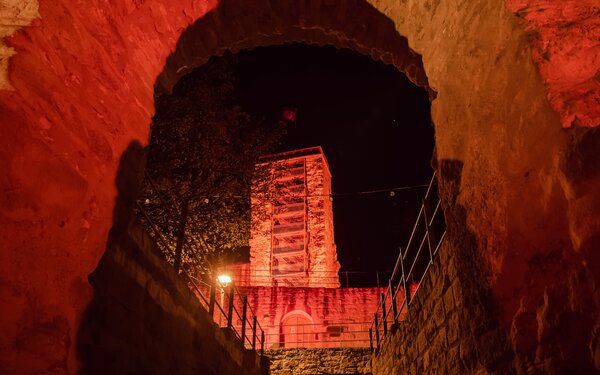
(387, 311)
(355, 334)
(250, 276)
(253, 327)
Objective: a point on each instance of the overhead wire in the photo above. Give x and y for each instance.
(331, 195)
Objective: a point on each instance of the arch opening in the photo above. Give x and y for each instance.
(373, 124)
(233, 25)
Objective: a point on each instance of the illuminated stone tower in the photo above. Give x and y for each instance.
(293, 243)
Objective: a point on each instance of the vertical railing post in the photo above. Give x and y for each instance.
(383, 315)
(262, 342)
(211, 302)
(244, 307)
(376, 331)
(254, 333)
(406, 294)
(230, 312)
(371, 339)
(394, 306)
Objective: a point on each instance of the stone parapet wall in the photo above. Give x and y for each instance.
(351, 309)
(450, 326)
(319, 361)
(445, 324)
(144, 319)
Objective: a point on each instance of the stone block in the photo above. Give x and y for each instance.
(439, 313)
(430, 331)
(435, 272)
(452, 328)
(413, 369)
(453, 360)
(444, 253)
(457, 291)
(441, 338)
(426, 360)
(437, 288)
(449, 302)
(422, 342)
(451, 269)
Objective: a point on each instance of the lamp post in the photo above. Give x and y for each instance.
(224, 281)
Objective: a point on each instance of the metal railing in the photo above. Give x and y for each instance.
(241, 320)
(339, 334)
(249, 276)
(411, 267)
(233, 312)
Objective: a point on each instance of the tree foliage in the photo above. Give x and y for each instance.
(201, 164)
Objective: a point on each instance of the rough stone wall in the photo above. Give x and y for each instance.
(446, 329)
(83, 83)
(566, 48)
(526, 184)
(451, 328)
(323, 265)
(259, 269)
(351, 308)
(13, 16)
(82, 79)
(319, 361)
(144, 319)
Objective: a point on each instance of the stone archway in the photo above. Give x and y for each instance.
(82, 91)
(237, 25)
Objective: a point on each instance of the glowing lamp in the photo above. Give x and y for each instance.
(224, 279)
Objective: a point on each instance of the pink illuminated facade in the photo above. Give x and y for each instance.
(294, 243)
(292, 280)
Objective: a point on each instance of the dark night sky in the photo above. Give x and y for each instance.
(373, 125)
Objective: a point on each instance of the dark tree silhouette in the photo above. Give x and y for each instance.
(201, 159)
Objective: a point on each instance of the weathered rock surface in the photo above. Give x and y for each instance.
(83, 80)
(304, 361)
(566, 48)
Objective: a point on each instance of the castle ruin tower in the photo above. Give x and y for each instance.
(292, 240)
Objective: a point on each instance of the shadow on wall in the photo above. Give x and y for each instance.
(143, 319)
(482, 342)
(551, 331)
(102, 344)
(451, 326)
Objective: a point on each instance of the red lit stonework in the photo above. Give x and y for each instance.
(294, 244)
(292, 279)
(520, 192)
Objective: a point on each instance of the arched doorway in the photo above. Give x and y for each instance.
(297, 330)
